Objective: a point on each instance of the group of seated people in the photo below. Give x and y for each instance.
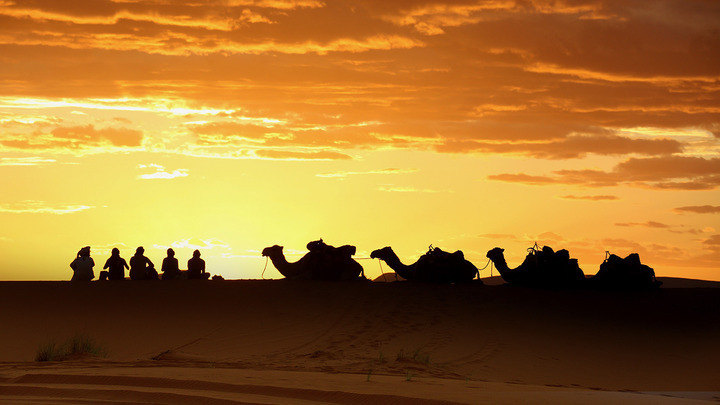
(141, 268)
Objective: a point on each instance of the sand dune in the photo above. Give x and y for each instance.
(279, 342)
(221, 386)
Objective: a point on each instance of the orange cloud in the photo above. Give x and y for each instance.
(574, 146)
(649, 224)
(223, 15)
(713, 242)
(700, 209)
(671, 172)
(280, 134)
(183, 45)
(89, 134)
(430, 18)
(523, 178)
(489, 83)
(74, 138)
(591, 197)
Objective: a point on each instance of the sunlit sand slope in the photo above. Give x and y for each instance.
(118, 385)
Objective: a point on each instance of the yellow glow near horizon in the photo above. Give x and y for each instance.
(231, 126)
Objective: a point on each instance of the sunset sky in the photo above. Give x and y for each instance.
(232, 125)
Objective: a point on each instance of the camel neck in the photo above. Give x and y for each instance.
(500, 263)
(287, 269)
(279, 261)
(401, 269)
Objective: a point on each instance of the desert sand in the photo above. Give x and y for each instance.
(276, 341)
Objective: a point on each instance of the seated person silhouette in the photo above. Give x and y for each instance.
(116, 266)
(170, 269)
(151, 273)
(196, 267)
(141, 268)
(83, 266)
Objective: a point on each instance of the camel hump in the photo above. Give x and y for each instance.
(626, 273)
(317, 245)
(437, 252)
(633, 259)
(458, 255)
(614, 259)
(347, 250)
(563, 255)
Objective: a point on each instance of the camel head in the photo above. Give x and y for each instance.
(495, 253)
(272, 251)
(381, 253)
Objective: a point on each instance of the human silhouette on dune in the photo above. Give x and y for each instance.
(83, 266)
(196, 267)
(116, 266)
(141, 268)
(170, 269)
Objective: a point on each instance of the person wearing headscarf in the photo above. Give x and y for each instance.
(83, 266)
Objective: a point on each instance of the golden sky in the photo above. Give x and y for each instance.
(232, 125)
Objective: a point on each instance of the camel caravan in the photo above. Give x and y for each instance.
(542, 267)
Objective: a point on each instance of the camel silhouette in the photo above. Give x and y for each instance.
(628, 273)
(435, 266)
(541, 267)
(322, 262)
